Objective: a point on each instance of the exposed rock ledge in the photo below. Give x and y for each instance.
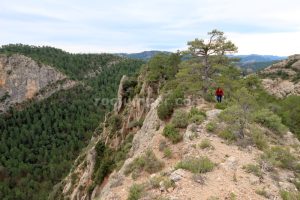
(21, 79)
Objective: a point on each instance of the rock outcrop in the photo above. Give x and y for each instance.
(283, 78)
(22, 78)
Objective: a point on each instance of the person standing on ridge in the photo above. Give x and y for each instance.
(219, 94)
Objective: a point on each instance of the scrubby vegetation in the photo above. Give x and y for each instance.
(196, 165)
(136, 192)
(196, 116)
(172, 133)
(205, 144)
(147, 162)
(281, 157)
(270, 120)
(287, 195)
(180, 119)
(254, 169)
(169, 103)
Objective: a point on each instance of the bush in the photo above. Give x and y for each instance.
(268, 119)
(280, 157)
(262, 192)
(220, 106)
(227, 135)
(115, 122)
(205, 144)
(196, 116)
(180, 119)
(165, 110)
(196, 165)
(157, 180)
(287, 195)
(195, 111)
(172, 133)
(253, 169)
(171, 101)
(136, 192)
(168, 153)
(259, 139)
(211, 126)
(290, 112)
(146, 162)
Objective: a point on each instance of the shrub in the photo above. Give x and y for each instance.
(262, 192)
(136, 123)
(165, 110)
(172, 133)
(268, 119)
(171, 101)
(195, 111)
(115, 122)
(220, 106)
(136, 192)
(196, 116)
(180, 119)
(168, 152)
(196, 165)
(280, 157)
(290, 112)
(287, 195)
(146, 162)
(155, 182)
(211, 126)
(259, 139)
(197, 119)
(205, 144)
(253, 169)
(227, 135)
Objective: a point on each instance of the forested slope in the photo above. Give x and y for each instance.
(39, 143)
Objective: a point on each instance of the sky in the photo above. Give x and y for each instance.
(268, 27)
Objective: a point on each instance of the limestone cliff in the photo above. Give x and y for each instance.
(283, 78)
(138, 116)
(21, 79)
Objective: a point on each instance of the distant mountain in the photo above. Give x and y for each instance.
(251, 62)
(252, 58)
(254, 62)
(145, 55)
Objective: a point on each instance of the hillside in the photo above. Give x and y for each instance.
(153, 148)
(40, 139)
(283, 78)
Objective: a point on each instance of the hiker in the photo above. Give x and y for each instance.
(219, 94)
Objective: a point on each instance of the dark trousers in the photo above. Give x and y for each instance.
(219, 98)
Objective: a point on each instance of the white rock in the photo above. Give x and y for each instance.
(177, 175)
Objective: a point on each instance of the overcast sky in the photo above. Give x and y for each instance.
(255, 26)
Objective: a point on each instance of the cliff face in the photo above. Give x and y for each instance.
(141, 109)
(21, 79)
(283, 78)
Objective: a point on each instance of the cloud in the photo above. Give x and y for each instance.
(130, 25)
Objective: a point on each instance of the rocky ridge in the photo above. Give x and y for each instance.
(282, 79)
(229, 179)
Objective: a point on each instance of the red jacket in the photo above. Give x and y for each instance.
(219, 92)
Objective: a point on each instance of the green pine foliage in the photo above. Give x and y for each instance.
(39, 143)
